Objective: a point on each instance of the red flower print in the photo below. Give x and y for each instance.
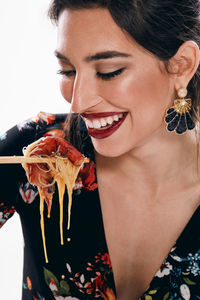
(106, 259)
(97, 280)
(86, 177)
(53, 286)
(45, 117)
(28, 192)
(55, 132)
(101, 286)
(29, 284)
(5, 213)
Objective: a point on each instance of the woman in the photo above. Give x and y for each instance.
(130, 70)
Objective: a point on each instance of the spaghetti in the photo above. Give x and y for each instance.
(62, 165)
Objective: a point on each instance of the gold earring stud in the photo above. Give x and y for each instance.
(179, 117)
(182, 93)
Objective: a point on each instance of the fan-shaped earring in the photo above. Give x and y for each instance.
(179, 117)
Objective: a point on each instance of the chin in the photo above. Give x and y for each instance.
(111, 151)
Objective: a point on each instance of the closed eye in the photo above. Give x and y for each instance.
(66, 73)
(110, 75)
(103, 76)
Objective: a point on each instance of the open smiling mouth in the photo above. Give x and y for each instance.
(101, 127)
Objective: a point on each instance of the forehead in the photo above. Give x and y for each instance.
(90, 30)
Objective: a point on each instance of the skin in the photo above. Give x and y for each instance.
(141, 153)
(144, 89)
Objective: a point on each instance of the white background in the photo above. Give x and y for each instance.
(28, 84)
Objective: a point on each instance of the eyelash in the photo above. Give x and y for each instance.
(103, 76)
(66, 73)
(107, 76)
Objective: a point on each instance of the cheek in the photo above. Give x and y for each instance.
(143, 91)
(66, 88)
(151, 96)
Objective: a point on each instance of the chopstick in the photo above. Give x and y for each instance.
(22, 159)
(30, 160)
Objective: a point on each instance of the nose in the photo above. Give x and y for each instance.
(85, 96)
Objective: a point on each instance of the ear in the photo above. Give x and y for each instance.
(185, 63)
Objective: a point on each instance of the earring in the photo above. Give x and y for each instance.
(179, 116)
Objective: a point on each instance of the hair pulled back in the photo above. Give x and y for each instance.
(160, 27)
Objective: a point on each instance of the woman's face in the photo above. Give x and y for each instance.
(105, 71)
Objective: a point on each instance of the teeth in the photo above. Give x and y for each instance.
(110, 120)
(116, 117)
(102, 122)
(96, 124)
(89, 124)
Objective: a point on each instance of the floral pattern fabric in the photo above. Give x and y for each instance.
(178, 278)
(81, 268)
(5, 213)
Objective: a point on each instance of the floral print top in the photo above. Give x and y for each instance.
(81, 268)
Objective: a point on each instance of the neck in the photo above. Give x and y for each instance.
(160, 160)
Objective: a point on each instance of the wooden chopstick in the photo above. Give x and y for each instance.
(30, 160)
(22, 159)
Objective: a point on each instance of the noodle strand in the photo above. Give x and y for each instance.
(61, 191)
(42, 223)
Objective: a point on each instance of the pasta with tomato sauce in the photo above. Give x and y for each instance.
(62, 165)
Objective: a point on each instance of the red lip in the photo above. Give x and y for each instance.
(104, 133)
(100, 115)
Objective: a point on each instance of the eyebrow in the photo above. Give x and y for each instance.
(96, 57)
(61, 56)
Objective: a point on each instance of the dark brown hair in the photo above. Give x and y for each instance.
(158, 26)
